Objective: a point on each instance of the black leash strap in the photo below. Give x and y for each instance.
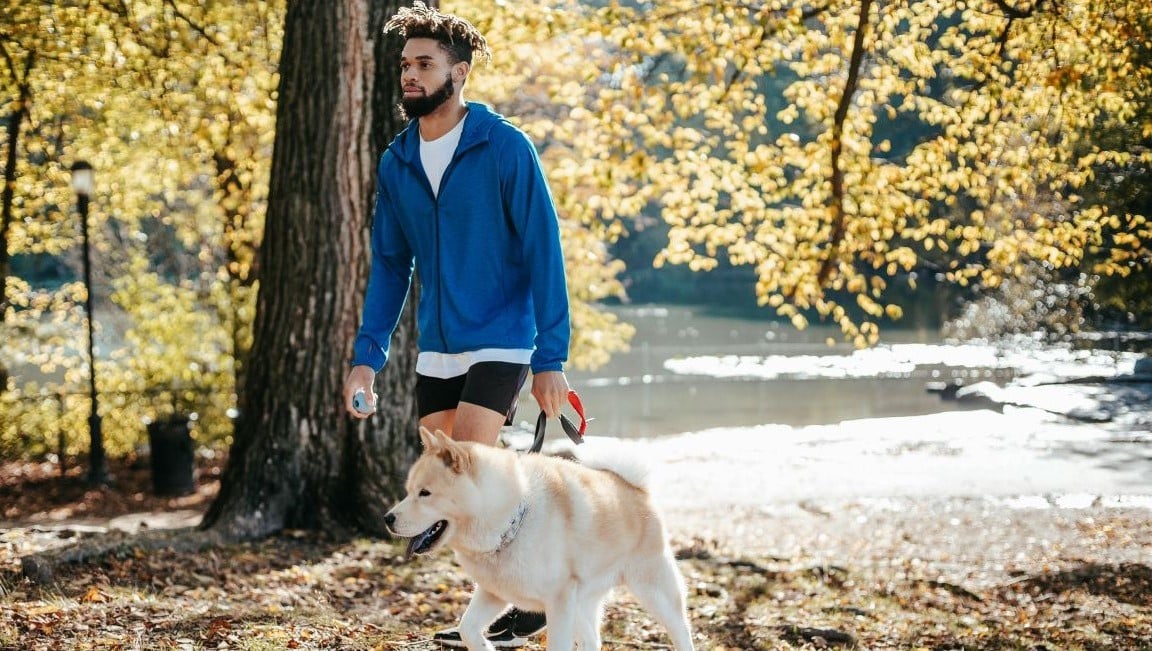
(573, 432)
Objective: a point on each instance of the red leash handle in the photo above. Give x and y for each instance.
(574, 400)
(573, 432)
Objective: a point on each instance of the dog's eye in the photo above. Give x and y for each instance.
(424, 492)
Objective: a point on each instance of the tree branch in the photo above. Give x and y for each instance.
(807, 14)
(8, 58)
(19, 114)
(841, 115)
(199, 29)
(1014, 13)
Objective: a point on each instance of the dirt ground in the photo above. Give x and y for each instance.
(39, 494)
(903, 573)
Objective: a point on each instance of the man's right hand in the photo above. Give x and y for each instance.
(360, 378)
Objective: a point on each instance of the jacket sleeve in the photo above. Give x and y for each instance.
(533, 212)
(388, 281)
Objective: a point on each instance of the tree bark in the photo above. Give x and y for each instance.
(298, 461)
(837, 200)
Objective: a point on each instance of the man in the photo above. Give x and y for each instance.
(461, 195)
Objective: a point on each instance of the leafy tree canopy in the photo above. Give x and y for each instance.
(837, 145)
(173, 104)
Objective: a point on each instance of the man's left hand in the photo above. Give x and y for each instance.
(550, 389)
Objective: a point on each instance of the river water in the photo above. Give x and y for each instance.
(737, 410)
(688, 370)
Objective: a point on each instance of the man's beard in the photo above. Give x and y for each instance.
(418, 107)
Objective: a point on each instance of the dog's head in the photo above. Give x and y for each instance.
(440, 495)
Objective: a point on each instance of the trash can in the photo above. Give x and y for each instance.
(173, 456)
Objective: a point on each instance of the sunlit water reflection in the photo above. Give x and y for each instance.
(688, 371)
(729, 402)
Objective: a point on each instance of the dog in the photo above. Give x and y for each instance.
(544, 534)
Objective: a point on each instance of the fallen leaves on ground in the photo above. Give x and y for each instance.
(42, 492)
(294, 592)
(886, 583)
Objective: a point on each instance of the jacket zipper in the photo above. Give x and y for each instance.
(422, 177)
(436, 231)
(439, 252)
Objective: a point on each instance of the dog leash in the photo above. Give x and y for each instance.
(573, 432)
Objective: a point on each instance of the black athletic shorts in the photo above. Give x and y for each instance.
(493, 385)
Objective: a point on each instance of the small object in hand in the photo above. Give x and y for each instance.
(360, 402)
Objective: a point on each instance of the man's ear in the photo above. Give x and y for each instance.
(460, 71)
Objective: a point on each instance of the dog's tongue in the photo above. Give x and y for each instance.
(417, 544)
(411, 550)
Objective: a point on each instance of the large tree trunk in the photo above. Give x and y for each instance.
(298, 461)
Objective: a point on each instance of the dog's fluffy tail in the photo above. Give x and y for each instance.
(615, 456)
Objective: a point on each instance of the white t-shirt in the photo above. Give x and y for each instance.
(436, 155)
(446, 365)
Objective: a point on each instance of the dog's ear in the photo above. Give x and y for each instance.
(454, 455)
(431, 441)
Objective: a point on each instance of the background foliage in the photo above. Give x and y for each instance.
(841, 146)
(173, 108)
(845, 152)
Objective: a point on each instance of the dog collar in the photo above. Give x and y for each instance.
(513, 529)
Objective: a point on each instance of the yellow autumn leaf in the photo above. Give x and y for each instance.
(93, 595)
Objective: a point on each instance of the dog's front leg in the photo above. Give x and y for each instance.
(484, 608)
(561, 615)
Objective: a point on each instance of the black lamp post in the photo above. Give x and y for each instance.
(83, 183)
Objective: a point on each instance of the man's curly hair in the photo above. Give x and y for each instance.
(453, 33)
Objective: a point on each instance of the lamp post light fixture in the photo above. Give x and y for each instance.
(84, 183)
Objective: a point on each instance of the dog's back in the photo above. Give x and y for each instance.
(607, 506)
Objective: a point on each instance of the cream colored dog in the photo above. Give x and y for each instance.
(543, 534)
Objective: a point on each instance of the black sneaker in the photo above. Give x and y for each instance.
(510, 631)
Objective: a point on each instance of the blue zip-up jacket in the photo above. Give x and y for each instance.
(488, 249)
